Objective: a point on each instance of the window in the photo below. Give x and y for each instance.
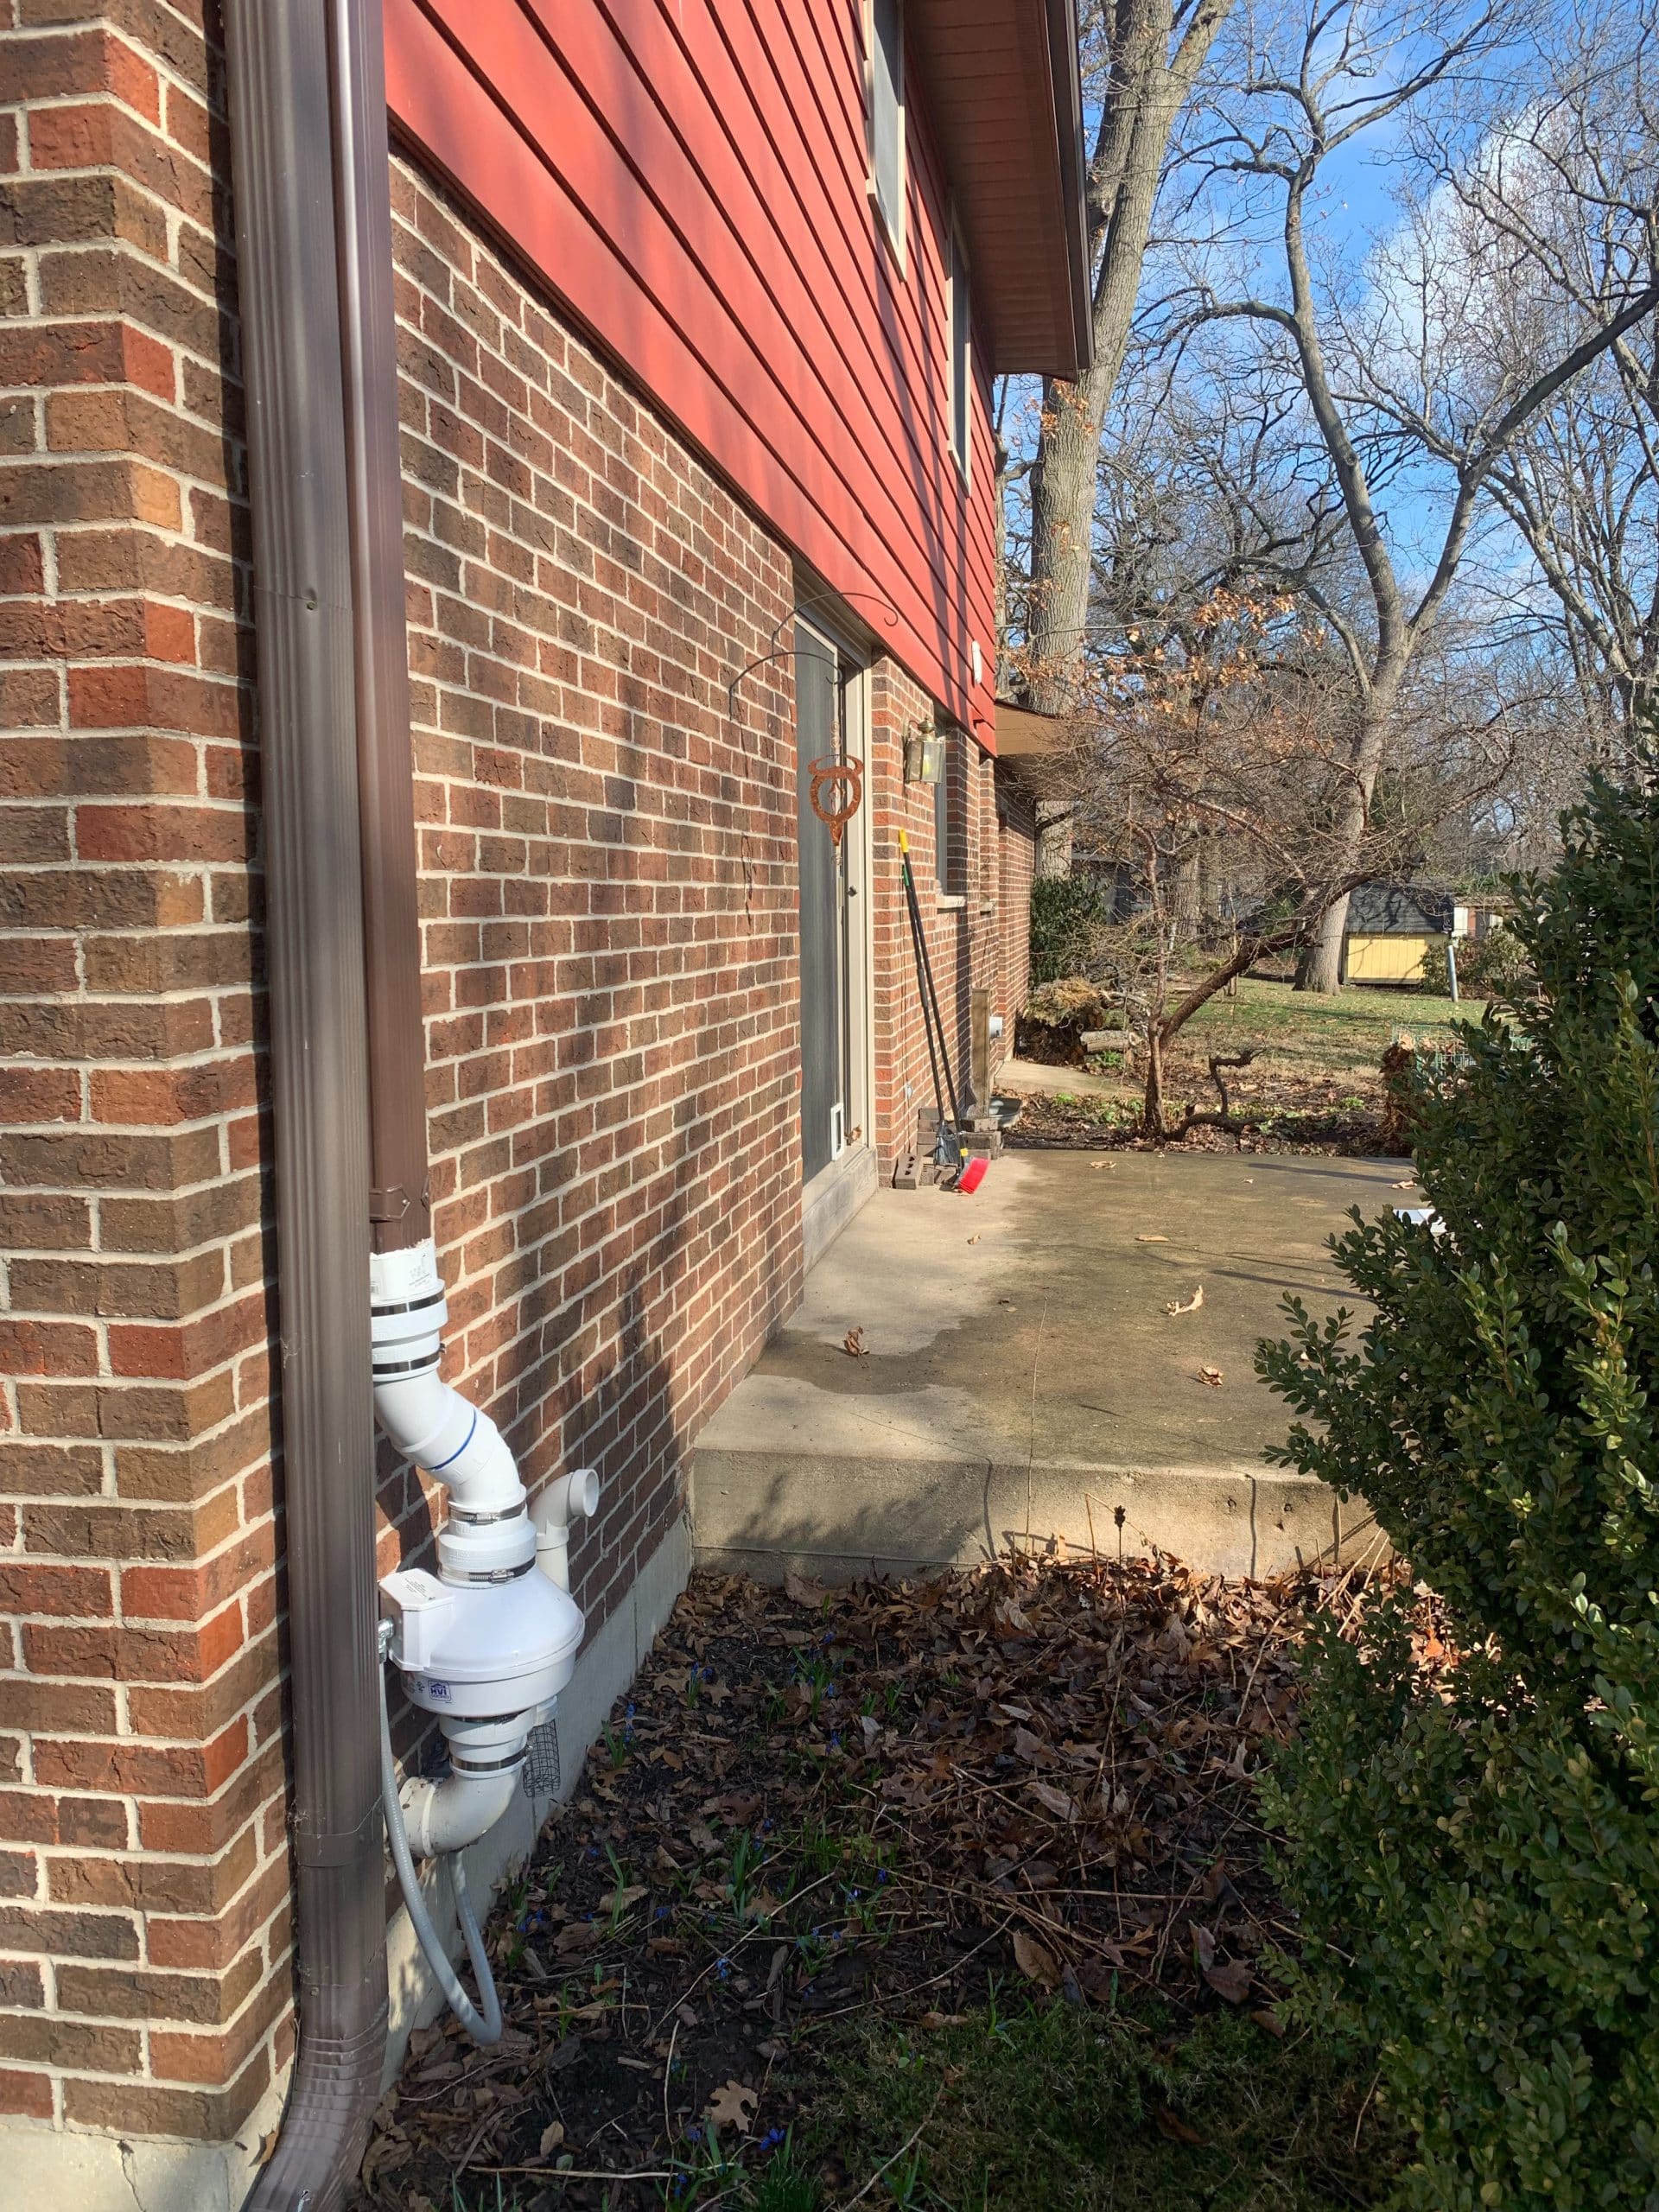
(946, 862)
(961, 356)
(887, 115)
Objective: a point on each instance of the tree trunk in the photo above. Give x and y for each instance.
(1187, 905)
(1319, 968)
(1152, 1120)
(1143, 97)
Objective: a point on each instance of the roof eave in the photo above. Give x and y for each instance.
(1003, 93)
(1068, 116)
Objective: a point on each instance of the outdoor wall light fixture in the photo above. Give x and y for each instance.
(924, 754)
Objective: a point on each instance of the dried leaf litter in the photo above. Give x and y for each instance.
(814, 1802)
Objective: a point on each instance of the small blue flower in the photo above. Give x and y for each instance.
(770, 2139)
(723, 1967)
(663, 1911)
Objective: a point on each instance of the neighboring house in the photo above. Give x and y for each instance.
(1392, 926)
(697, 308)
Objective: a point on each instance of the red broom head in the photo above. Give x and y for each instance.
(971, 1177)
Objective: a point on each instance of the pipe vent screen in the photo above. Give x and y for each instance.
(542, 1761)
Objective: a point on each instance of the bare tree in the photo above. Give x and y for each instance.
(1141, 58)
(1213, 748)
(1567, 194)
(1327, 74)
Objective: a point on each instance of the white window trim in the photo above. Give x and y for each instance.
(958, 259)
(895, 237)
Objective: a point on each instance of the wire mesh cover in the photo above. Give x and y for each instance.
(541, 1768)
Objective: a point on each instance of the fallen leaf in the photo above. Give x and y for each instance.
(552, 2136)
(943, 2020)
(1266, 2017)
(1211, 1375)
(733, 2105)
(802, 1589)
(1152, 1240)
(1172, 2125)
(974, 1239)
(1035, 1960)
(1098, 1164)
(1062, 1807)
(1189, 1305)
(1231, 1980)
(853, 1342)
(1409, 1184)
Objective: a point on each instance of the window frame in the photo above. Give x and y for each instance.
(947, 814)
(892, 225)
(959, 351)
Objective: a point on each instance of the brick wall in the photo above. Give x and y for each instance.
(608, 901)
(609, 890)
(145, 1881)
(608, 908)
(963, 927)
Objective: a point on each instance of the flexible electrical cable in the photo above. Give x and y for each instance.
(482, 2021)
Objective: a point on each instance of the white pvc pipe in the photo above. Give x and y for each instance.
(447, 1815)
(568, 1497)
(426, 1419)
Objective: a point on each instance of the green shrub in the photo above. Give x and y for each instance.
(1493, 966)
(1068, 915)
(1475, 1857)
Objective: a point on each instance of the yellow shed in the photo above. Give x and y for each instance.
(1390, 928)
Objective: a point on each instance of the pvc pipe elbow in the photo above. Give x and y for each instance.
(568, 1497)
(450, 1814)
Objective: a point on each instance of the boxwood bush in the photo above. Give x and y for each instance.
(1474, 1851)
(1068, 915)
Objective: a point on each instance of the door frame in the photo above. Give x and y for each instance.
(835, 1194)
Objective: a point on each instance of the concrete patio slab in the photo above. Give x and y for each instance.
(1020, 1375)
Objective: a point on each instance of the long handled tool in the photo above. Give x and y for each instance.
(947, 1150)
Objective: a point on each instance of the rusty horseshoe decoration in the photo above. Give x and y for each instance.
(837, 791)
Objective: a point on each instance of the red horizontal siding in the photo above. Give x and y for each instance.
(688, 176)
